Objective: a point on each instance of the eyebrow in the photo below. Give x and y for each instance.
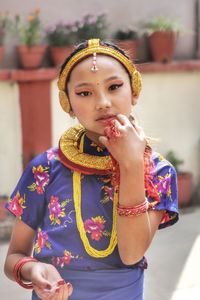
(112, 78)
(89, 84)
(82, 84)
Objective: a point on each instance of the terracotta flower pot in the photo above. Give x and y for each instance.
(59, 54)
(162, 45)
(1, 53)
(184, 188)
(3, 211)
(130, 47)
(31, 57)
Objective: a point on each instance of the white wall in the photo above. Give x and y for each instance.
(10, 137)
(169, 109)
(60, 120)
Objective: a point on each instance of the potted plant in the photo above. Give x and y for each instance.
(162, 35)
(91, 26)
(60, 39)
(4, 23)
(128, 40)
(3, 200)
(184, 180)
(29, 32)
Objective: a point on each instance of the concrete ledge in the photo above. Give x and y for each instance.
(4, 74)
(34, 75)
(22, 75)
(175, 66)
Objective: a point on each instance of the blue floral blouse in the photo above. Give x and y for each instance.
(43, 199)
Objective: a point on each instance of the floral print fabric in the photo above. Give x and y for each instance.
(43, 199)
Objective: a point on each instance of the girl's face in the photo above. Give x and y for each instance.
(97, 97)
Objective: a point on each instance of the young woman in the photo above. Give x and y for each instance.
(88, 210)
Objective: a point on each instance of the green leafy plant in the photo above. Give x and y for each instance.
(91, 27)
(61, 34)
(174, 160)
(128, 34)
(161, 23)
(29, 30)
(4, 25)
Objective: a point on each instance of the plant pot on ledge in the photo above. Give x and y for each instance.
(127, 40)
(184, 180)
(31, 57)
(184, 188)
(130, 47)
(162, 45)
(1, 53)
(59, 54)
(162, 34)
(3, 212)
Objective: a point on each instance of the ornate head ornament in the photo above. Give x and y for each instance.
(94, 47)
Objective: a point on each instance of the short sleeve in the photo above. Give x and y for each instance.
(27, 201)
(165, 183)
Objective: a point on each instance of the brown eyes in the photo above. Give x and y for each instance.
(115, 86)
(112, 87)
(84, 94)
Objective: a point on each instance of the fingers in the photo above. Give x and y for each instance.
(63, 292)
(103, 140)
(121, 126)
(42, 283)
(138, 129)
(70, 288)
(123, 122)
(122, 119)
(58, 291)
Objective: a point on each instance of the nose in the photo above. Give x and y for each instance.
(103, 102)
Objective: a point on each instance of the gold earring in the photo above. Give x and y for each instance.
(72, 114)
(64, 102)
(136, 83)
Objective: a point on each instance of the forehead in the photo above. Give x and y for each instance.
(106, 64)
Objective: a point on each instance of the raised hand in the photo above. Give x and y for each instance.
(124, 139)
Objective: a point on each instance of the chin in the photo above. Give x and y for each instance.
(94, 134)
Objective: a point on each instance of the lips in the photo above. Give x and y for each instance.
(106, 118)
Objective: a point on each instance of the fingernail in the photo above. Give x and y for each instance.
(69, 285)
(61, 282)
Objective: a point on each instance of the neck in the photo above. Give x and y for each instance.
(95, 138)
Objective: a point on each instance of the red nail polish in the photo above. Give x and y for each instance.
(61, 282)
(69, 285)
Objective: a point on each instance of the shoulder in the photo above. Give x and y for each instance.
(45, 157)
(164, 180)
(161, 164)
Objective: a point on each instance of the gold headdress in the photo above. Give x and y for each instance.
(94, 46)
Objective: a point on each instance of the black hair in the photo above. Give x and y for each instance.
(84, 45)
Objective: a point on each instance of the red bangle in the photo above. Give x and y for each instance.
(127, 211)
(17, 271)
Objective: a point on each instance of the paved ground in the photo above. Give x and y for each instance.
(174, 263)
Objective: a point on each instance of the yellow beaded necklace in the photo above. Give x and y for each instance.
(79, 221)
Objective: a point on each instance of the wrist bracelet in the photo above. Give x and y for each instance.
(127, 211)
(17, 271)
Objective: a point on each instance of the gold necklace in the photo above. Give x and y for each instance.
(80, 225)
(74, 158)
